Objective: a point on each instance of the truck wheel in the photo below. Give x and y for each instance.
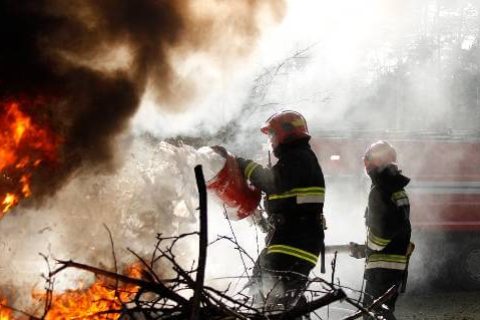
(467, 270)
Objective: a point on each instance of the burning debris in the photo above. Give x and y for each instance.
(131, 207)
(25, 148)
(5, 313)
(104, 299)
(143, 294)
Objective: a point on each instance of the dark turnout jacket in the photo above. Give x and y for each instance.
(295, 192)
(388, 222)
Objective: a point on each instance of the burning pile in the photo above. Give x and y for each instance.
(24, 146)
(104, 299)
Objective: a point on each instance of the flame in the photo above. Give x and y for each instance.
(9, 201)
(98, 302)
(24, 145)
(5, 313)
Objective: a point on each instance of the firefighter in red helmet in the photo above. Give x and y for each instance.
(294, 194)
(388, 227)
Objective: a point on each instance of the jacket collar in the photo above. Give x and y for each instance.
(284, 148)
(389, 178)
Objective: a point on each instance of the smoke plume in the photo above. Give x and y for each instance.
(82, 67)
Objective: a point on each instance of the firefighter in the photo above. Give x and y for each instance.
(388, 227)
(294, 194)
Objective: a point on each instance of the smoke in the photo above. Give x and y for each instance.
(348, 66)
(81, 69)
(153, 192)
(404, 71)
(92, 62)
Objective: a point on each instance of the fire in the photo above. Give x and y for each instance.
(24, 146)
(96, 302)
(5, 313)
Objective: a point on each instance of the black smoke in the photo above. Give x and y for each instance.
(50, 52)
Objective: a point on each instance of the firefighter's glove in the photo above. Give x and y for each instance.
(220, 150)
(357, 250)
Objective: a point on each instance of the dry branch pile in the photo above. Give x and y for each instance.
(184, 295)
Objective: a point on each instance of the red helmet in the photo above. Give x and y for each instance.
(379, 155)
(285, 126)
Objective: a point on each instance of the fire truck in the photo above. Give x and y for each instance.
(444, 195)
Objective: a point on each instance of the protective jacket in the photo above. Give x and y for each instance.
(295, 191)
(388, 223)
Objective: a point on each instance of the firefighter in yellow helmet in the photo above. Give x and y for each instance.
(294, 194)
(388, 224)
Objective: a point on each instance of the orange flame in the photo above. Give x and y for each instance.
(24, 145)
(98, 302)
(5, 313)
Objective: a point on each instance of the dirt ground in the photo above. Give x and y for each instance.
(439, 306)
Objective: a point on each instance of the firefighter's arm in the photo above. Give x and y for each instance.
(380, 232)
(259, 176)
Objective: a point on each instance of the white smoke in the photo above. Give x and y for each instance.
(371, 66)
(153, 191)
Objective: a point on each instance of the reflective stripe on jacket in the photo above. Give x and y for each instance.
(376, 243)
(302, 195)
(386, 261)
(292, 251)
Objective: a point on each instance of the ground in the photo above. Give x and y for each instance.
(421, 305)
(439, 306)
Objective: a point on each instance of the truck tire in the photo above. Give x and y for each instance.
(466, 265)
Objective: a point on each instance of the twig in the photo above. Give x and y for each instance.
(236, 240)
(151, 272)
(203, 242)
(377, 302)
(314, 305)
(242, 251)
(115, 266)
(158, 288)
(48, 289)
(334, 267)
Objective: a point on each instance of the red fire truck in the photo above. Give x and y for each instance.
(444, 194)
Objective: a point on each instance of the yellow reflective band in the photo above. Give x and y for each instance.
(309, 191)
(399, 195)
(374, 246)
(249, 169)
(400, 198)
(377, 240)
(292, 251)
(386, 265)
(387, 258)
